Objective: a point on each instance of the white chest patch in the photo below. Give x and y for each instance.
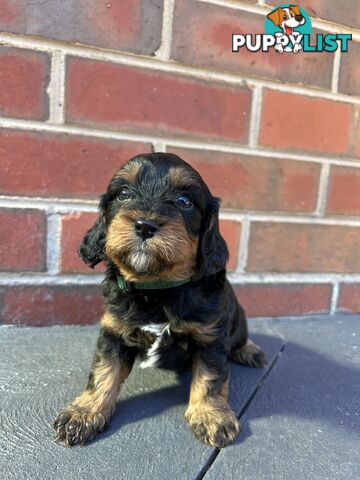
(152, 355)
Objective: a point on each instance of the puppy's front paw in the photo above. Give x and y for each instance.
(78, 426)
(214, 426)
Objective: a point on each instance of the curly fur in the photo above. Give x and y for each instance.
(198, 324)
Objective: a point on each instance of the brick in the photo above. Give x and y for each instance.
(291, 247)
(349, 297)
(256, 183)
(131, 25)
(261, 300)
(23, 240)
(206, 41)
(231, 231)
(24, 76)
(51, 305)
(336, 10)
(134, 99)
(349, 81)
(355, 137)
(60, 165)
(344, 191)
(73, 228)
(9, 14)
(304, 123)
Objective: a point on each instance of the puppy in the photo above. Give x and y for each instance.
(167, 298)
(287, 19)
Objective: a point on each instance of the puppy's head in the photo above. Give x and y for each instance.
(157, 220)
(287, 18)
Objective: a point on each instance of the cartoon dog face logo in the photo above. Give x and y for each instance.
(287, 19)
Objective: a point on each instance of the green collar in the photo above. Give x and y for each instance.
(157, 285)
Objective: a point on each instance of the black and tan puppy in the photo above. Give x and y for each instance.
(167, 298)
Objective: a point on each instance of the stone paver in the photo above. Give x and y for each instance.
(300, 416)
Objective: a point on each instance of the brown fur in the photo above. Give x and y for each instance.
(132, 336)
(173, 247)
(202, 319)
(208, 413)
(201, 333)
(91, 410)
(250, 355)
(180, 178)
(129, 172)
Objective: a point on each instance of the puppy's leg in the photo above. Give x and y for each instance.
(208, 413)
(249, 355)
(90, 412)
(244, 350)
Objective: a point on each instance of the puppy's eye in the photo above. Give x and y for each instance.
(184, 200)
(124, 194)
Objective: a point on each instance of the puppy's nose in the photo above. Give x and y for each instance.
(299, 18)
(145, 228)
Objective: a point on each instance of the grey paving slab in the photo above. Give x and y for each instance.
(304, 422)
(41, 370)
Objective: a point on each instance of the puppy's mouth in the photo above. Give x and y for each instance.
(142, 257)
(288, 30)
(143, 248)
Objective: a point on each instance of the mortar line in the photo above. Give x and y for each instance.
(244, 245)
(323, 189)
(255, 116)
(191, 143)
(336, 71)
(68, 205)
(53, 243)
(164, 50)
(291, 277)
(310, 220)
(46, 278)
(56, 88)
(173, 67)
(159, 147)
(335, 298)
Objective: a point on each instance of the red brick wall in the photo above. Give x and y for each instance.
(86, 85)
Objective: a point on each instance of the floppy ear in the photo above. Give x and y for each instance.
(275, 16)
(213, 253)
(91, 250)
(295, 9)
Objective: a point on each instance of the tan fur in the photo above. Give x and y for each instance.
(91, 410)
(181, 178)
(108, 377)
(171, 245)
(250, 355)
(132, 336)
(203, 334)
(129, 171)
(209, 415)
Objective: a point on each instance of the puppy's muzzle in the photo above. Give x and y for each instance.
(145, 228)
